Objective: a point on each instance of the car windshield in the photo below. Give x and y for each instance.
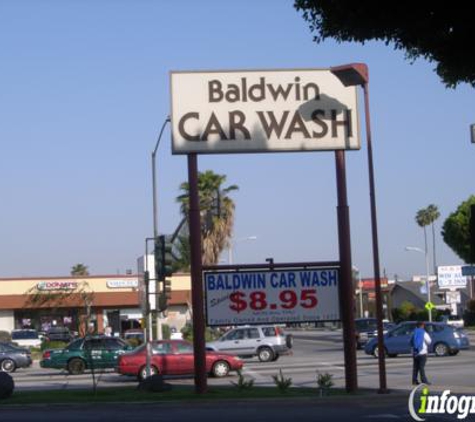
(24, 335)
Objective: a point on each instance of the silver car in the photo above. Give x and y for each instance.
(267, 342)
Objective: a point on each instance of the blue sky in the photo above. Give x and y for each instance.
(84, 92)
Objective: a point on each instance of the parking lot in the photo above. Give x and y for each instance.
(313, 351)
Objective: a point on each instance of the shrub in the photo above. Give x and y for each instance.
(5, 336)
(281, 382)
(242, 383)
(166, 332)
(210, 333)
(325, 382)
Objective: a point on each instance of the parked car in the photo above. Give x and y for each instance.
(13, 357)
(267, 342)
(59, 334)
(26, 338)
(174, 357)
(96, 352)
(446, 340)
(135, 334)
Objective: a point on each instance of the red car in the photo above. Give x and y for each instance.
(174, 357)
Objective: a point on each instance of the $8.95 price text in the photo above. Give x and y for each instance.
(258, 300)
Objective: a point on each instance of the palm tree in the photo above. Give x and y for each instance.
(79, 270)
(422, 219)
(217, 213)
(432, 215)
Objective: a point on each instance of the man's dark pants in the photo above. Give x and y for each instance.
(418, 367)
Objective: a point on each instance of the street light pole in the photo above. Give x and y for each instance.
(155, 216)
(231, 247)
(356, 74)
(426, 254)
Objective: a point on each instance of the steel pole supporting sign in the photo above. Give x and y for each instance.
(199, 343)
(352, 75)
(347, 299)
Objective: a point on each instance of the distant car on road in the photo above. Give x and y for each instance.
(267, 342)
(446, 340)
(96, 352)
(13, 357)
(174, 357)
(26, 338)
(367, 328)
(453, 320)
(59, 334)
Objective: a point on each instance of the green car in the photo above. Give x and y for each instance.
(86, 353)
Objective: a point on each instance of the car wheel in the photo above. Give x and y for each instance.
(441, 349)
(265, 354)
(7, 365)
(143, 372)
(76, 366)
(289, 341)
(220, 369)
(276, 356)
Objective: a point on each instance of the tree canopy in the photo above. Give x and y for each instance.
(79, 270)
(456, 230)
(439, 32)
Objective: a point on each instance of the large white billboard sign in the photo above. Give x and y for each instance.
(280, 296)
(450, 276)
(262, 111)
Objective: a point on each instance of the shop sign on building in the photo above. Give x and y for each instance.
(57, 285)
(451, 277)
(122, 284)
(247, 111)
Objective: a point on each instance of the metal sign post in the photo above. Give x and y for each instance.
(199, 343)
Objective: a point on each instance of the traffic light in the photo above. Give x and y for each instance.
(163, 258)
(164, 294)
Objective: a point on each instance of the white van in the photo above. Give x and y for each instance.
(26, 338)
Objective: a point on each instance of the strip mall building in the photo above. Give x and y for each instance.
(111, 300)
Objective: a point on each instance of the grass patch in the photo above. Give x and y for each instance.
(178, 393)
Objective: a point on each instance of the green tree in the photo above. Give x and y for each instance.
(436, 31)
(79, 270)
(217, 213)
(456, 230)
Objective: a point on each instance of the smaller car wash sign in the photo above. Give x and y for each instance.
(262, 111)
(279, 296)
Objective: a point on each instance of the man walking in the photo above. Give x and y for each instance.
(420, 341)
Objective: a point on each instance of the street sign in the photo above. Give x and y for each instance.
(429, 306)
(272, 296)
(468, 270)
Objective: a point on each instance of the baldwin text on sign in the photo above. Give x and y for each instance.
(280, 296)
(262, 111)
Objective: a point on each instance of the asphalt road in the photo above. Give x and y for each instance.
(314, 351)
(367, 409)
